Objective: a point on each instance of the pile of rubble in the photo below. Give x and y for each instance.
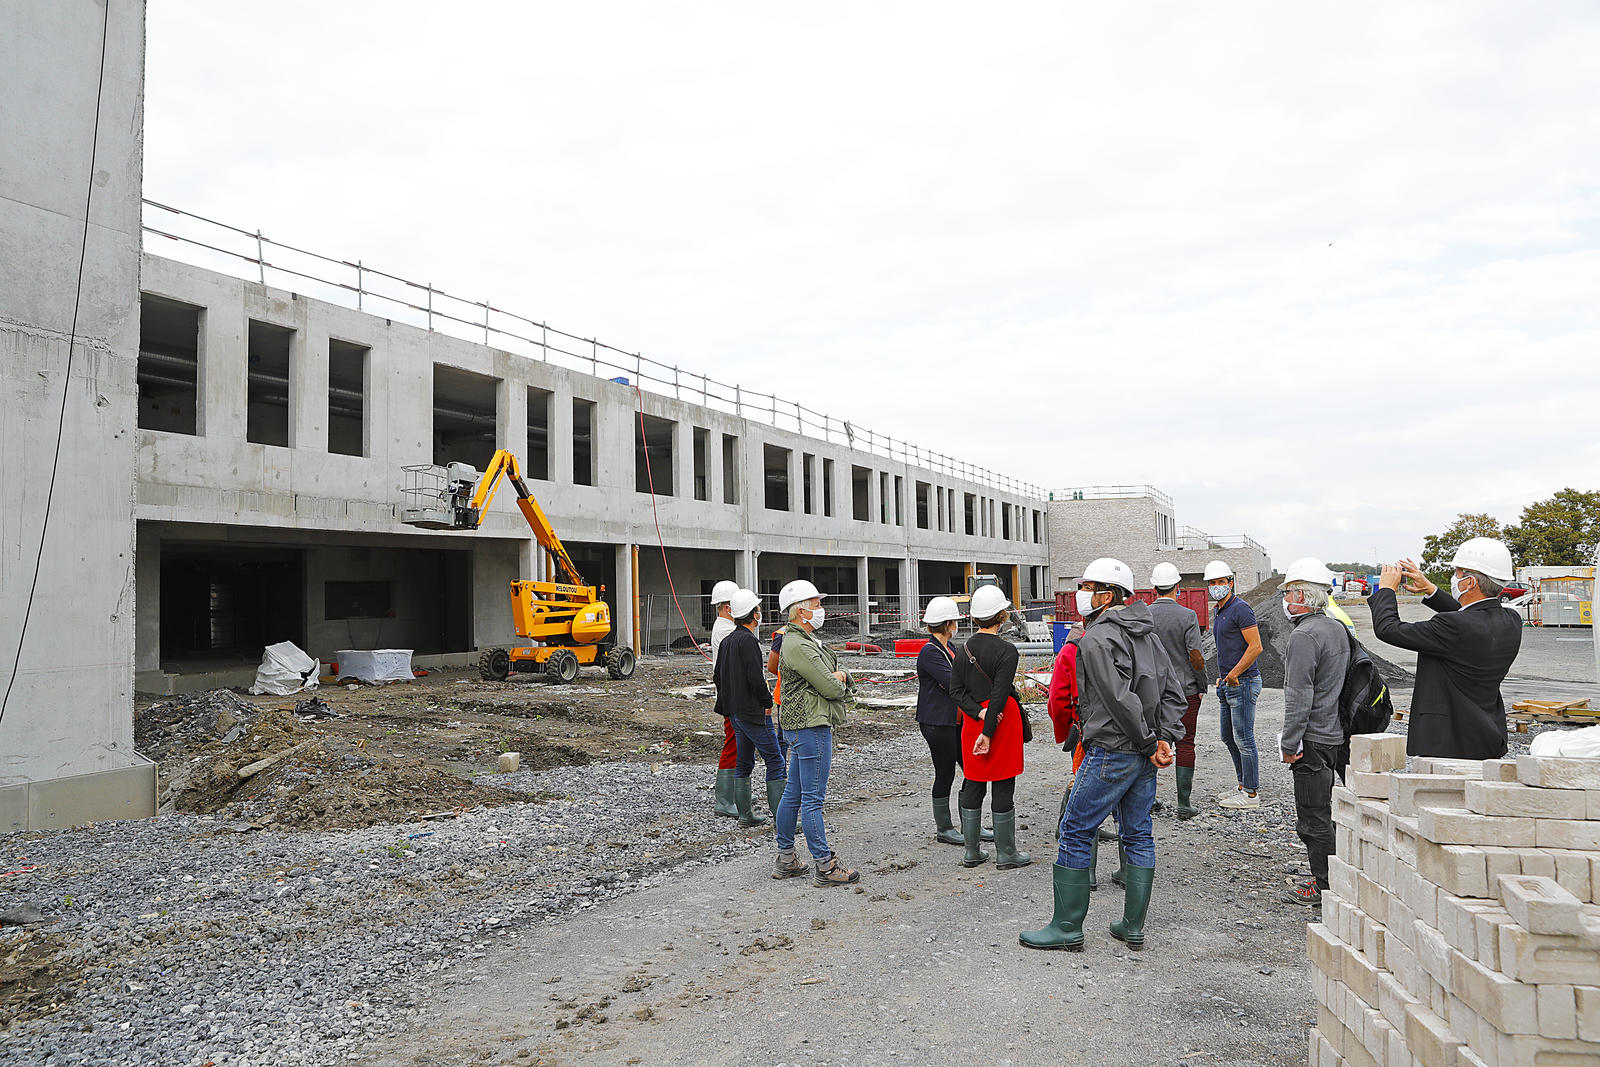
(192, 719)
(1462, 925)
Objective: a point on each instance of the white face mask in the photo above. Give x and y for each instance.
(1217, 592)
(1455, 587)
(1288, 612)
(1084, 600)
(818, 617)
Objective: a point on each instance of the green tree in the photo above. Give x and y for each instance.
(1560, 532)
(1437, 549)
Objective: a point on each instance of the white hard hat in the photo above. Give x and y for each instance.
(941, 609)
(1486, 556)
(1108, 571)
(743, 603)
(1218, 569)
(1165, 576)
(1309, 569)
(795, 592)
(988, 601)
(723, 592)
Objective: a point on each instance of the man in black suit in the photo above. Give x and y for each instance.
(1463, 652)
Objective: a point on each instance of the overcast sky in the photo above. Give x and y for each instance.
(1326, 275)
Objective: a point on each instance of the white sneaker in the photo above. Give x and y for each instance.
(1240, 801)
(1226, 793)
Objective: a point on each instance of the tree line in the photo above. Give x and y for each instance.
(1562, 531)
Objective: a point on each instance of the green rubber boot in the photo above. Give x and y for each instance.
(1186, 810)
(1135, 902)
(1072, 904)
(745, 807)
(1006, 856)
(1121, 877)
(774, 794)
(946, 832)
(725, 805)
(971, 828)
(1094, 862)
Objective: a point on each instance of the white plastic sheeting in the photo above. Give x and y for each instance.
(285, 669)
(374, 665)
(1584, 743)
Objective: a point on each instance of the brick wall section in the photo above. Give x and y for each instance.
(1125, 528)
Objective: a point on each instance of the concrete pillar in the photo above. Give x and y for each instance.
(683, 460)
(561, 436)
(797, 496)
(511, 417)
(147, 598)
(308, 390)
(714, 467)
(223, 373)
(744, 566)
(874, 497)
(910, 597)
(623, 622)
(863, 619)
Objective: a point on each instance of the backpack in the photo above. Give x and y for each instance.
(1364, 703)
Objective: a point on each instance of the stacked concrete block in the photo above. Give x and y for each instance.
(1462, 923)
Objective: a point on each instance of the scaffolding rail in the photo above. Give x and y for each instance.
(1111, 492)
(243, 253)
(1192, 538)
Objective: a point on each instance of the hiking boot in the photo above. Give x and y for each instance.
(971, 827)
(788, 865)
(945, 830)
(1306, 892)
(775, 795)
(725, 805)
(831, 872)
(1006, 856)
(1186, 809)
(1121, 877)
(1071, 905)
(1135, 902)
(741, 798)
(1241, 801)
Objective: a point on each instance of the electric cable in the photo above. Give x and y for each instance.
(66, 381)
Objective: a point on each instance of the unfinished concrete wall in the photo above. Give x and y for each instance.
(1132, 529)
(66, 190)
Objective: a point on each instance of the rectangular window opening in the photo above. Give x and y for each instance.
(899, 501)
(730, 469)
(808, 474)
(827, 487)
(702, 489)
(357, 600)
(583, 424)
(860, 505)
(652, 455)
(775, 476)
(267, 390)
(465, 416)
(536, 461)
(1037, 536)
(922, 505)
(970, 509)
(169, 365)
(883, 498)
(347, 398)
(1005, 522)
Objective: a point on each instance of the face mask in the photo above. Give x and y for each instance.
(1217, 592)
(1455, 587)
(818, 617)
(1085, 602)
(1287, 612)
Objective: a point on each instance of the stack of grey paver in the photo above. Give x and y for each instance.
(1462, 926)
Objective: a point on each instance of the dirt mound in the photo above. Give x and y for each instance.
(195, 718)
(1275, 631)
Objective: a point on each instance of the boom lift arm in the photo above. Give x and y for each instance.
(505, 464)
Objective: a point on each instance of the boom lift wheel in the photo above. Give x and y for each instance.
(562, 666)
(619, 662)
(494, 665)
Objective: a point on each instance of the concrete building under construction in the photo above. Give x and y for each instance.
(218, 440)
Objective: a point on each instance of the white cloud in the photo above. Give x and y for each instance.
(1327, 279)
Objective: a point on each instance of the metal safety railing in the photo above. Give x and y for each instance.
(1111, 492)
(247, 253)
(1191, 538)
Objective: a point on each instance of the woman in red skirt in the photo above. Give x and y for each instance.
(993, 729)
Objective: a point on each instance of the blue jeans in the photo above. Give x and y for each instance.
(810, 763)
(751, 739)
(1239, 729)
(1107, 782)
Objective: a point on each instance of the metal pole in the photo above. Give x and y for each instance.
(261, 259)
(738, 401)
(360, 284)
(677, 391)
(486, 322)
(430, 305)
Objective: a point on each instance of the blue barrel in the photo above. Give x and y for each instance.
(1058, 634)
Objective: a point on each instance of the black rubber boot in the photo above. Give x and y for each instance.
(741, 797)
(725, 805)
(971, 827)
(945, 830)
(1094, 862)
(774, 794)
(1135, 903)
(1186, 810)
(1006, 856)
(1071, 905)
(1121, 877)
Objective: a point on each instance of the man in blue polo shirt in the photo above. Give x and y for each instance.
(1239, 684)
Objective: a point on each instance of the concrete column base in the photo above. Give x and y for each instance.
(58, 803)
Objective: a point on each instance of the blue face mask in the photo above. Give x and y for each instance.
(1217, 592)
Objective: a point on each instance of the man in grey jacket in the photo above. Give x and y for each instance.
(1179, 628)
(1130, 705)
(1314, 666)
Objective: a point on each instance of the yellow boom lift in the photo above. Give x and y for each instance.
(566, 623)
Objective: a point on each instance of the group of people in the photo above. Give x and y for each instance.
(1124, 699)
